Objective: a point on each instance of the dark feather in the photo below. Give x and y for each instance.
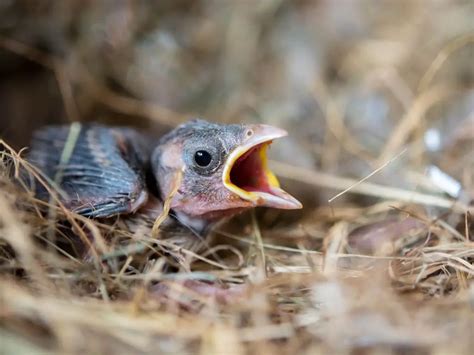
(104, 175)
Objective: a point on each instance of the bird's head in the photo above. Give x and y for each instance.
(224, 169)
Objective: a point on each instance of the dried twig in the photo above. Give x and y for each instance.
(316, 178)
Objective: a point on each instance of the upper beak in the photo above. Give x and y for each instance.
(246, 171)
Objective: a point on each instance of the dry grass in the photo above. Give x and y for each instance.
(384, 277)
(382, 257)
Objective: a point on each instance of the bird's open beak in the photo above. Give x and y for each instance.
(246, 171)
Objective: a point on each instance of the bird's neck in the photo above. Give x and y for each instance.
(196, 224)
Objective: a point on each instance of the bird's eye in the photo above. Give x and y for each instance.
(203, 154)
(202, 158)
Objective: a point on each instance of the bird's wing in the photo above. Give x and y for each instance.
(98, 171)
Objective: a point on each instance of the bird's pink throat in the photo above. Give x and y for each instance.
(247, 175)
(249, 172)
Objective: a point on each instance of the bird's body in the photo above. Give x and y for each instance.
(208, 171)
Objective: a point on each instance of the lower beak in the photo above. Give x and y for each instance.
(246, 171)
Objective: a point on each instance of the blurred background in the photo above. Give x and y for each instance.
(340, 76)
(359, 85)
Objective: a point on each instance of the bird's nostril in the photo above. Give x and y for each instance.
(249, 133)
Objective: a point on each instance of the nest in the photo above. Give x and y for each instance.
(380, 151)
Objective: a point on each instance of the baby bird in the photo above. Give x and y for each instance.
(209, 171)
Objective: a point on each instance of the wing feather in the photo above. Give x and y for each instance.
(104, 175)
